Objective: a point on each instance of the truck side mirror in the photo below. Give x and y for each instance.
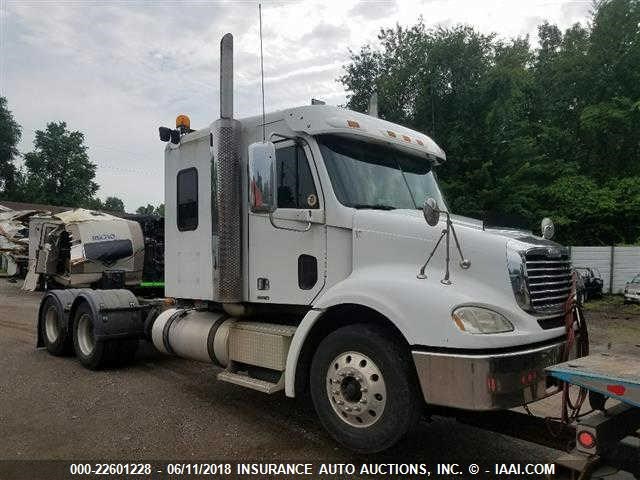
(431, 212)
(262, 176)
(548, 229)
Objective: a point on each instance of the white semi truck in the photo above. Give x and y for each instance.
(294, 251)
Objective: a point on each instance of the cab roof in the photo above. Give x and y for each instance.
(327, 119)
(319, 119)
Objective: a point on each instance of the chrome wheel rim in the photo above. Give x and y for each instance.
(51, 324)
(86, 341)
(356, 389)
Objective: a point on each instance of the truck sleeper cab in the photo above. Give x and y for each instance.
(293, 260)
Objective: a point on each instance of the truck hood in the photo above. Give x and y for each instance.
(389, 247)
(412, 221)
(402, 237)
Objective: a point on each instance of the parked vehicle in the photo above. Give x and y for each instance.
(632, 290)
(591, 281)
(295, 253)
(580, 289)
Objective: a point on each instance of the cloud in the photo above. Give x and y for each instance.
(325, 32)
(374, 9)
(116, 71)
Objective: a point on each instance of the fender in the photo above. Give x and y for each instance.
(349, 291)
(117, 312)
(420, 310)
(64, 299)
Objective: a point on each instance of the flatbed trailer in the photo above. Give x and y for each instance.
(604, 444)
(609, 440)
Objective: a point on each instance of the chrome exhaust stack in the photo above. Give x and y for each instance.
(226, 165)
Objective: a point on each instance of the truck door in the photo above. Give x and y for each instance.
(287, 249)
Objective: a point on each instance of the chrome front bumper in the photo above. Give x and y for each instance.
(487, 382)
(632, 296)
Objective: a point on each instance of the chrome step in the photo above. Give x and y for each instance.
(252, 383)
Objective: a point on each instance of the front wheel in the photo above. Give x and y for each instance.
(364, 388)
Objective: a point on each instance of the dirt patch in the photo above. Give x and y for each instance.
(613, 326)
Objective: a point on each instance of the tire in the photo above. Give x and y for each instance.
(376, 383)
(55, 334)
(96, 354)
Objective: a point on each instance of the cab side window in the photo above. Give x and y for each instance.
(187, 199)
(295, 182)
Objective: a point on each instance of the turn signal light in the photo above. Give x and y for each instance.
(586, 439)
(492, 384)
(353, 124)
(616, 389)
(183, 121)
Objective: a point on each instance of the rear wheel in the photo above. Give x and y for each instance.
(364, 388)
(55, 334)
(96, 353)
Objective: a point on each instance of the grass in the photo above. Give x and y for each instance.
(612, 302)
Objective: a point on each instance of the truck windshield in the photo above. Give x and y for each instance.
(366, 175)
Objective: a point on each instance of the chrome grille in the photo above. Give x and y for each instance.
(549, 278)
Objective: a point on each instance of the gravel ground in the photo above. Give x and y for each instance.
(167, 408)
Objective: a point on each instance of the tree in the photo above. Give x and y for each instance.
(151, 210)
(148, 210)
(58, 171)
(93, 203)
(529, 132)
(114, 204)
(10, 134)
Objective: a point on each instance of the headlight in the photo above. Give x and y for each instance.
(480, 320)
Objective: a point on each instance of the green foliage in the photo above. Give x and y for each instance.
(58, 171)
(552, 131)
(151, 210)
(114, 204)
(10, 134)
(93, 203)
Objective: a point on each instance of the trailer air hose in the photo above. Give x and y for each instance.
(578, 337)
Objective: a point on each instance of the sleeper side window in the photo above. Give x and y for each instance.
(187, 186)
(296, 188)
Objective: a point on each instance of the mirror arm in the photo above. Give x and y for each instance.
(447, 232)
(464, 262)
(445, 280)
(421, 275)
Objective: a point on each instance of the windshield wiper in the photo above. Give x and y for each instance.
(377, 206)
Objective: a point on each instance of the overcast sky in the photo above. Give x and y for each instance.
(116, 70)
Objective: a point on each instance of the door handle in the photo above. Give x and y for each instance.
(280, 227)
